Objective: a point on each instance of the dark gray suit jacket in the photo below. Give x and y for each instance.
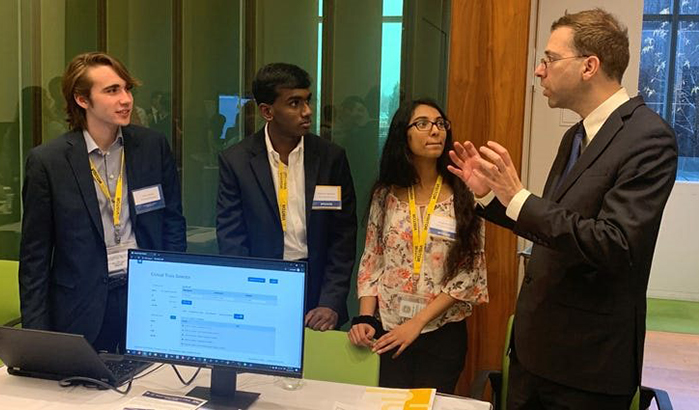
(580, 318)
(63, 261)
(248, 222)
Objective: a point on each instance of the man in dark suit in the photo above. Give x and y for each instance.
(285, 193)
(90, 195)
(579, 326)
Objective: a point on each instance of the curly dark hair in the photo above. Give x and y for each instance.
(396, 169)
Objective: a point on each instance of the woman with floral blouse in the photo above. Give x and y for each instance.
(423, 266)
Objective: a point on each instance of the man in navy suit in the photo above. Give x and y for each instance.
(285, 193)
(89, 196)
(579, 325)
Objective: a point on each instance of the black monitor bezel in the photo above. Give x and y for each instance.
(259, 369)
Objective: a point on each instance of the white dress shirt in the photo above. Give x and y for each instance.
(108, 165)
(592, 124)
(295, 243)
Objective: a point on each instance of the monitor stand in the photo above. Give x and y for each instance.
(223, 394)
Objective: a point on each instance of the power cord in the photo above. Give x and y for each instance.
(93, 384)
(179, 376)
(100, 385)
(140, 376)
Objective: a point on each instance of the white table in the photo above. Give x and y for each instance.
(35, 394)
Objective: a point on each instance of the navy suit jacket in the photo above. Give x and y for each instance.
(248, 222)
(63, 271)
(581, 312)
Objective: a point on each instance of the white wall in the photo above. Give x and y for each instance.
(675, 271)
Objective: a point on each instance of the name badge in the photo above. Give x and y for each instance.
(117, 256)
(148, 199)
(410, 305)
(443, 227)
(327, 197)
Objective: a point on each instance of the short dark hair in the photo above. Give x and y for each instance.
(76, 82)
(270, 78)
(598, 33)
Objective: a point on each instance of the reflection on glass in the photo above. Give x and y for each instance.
(390, 75)
(672, 90)
(652, 80)
(323, 119)
(392, 8)
(202, 102)
(230, 109)
(32, 110)
(657, 6)
(139, 33)
(686, 97)
(689, 7)
(213, 108)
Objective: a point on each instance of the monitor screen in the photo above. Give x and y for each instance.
(216, 311)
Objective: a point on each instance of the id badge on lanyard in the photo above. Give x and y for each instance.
(420, 235)
(283, 194)
(410, 305)
(116, 201)
(117, 256)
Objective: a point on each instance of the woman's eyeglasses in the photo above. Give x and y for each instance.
(426, 125)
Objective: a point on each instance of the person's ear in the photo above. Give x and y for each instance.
(81, 100)
(266, 111)
(591, 66)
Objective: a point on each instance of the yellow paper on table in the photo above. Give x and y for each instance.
(398, 399)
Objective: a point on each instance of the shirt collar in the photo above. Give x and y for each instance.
(594, 121)
(92, 145)
(270, 148)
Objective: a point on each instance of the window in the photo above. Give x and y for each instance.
(391, 38)
(196, 61)
(669, 74)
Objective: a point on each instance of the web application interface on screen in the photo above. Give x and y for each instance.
(210, 313)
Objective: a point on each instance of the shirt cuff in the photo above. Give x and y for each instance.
(516, 204)
(485, 200)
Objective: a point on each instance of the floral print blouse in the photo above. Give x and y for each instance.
(386, 268)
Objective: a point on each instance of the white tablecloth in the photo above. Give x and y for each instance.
(35, 394)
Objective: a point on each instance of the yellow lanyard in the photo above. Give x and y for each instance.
(282, 194)
(420, 237)
(118, 193)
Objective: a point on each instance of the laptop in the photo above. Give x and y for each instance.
(56, 356)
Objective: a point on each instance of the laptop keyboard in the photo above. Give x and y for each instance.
(125, 368)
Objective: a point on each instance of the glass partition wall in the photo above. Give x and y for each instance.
(196, 60)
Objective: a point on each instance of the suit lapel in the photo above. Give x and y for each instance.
(259, 162)
(311, 167)
(604, 136)
(80, 164)
(133, 173)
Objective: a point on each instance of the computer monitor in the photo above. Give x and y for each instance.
(230, 314)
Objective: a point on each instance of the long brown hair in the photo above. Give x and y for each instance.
(396, 169)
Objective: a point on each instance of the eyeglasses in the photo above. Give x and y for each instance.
(548, 60)
(426, 125)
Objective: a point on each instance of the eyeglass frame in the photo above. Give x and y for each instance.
(546, 62)
(447, 124)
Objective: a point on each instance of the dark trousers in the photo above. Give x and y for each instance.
(527, 391)
(435, 360)
(112, 335)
